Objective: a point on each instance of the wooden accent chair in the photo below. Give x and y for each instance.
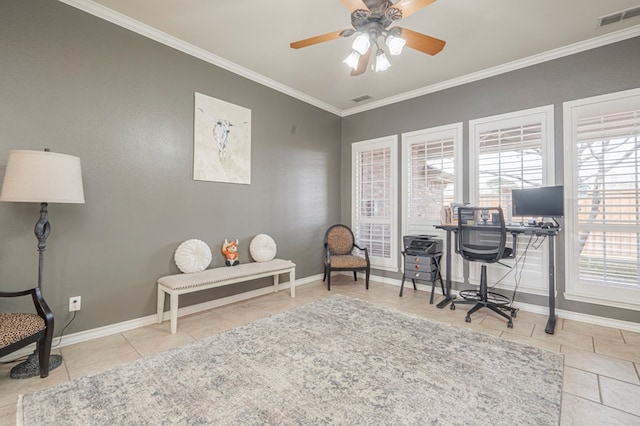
(339, 244)
(21, 329)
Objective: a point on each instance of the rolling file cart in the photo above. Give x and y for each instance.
(422, 256)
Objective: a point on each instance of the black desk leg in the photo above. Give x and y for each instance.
(447, 297)
(551, 323)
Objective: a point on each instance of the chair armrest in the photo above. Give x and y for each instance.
(41, 306)
(327, 255)
(365, 250)
(15, 293)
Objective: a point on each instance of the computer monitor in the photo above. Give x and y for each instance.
(546, 201)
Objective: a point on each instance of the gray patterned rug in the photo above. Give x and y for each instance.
(335, 361)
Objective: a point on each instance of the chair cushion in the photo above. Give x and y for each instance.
(348, 261)
(340, 240)
(18, 326)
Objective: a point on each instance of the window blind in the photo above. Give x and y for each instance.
(374, 200)
(608, 216)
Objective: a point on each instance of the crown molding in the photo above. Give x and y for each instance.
(501, 69)
(124, 21)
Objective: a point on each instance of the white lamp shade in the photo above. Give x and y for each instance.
(395, 44)
(42, 177)
(361, 44)
(382, 63)
(352, 60)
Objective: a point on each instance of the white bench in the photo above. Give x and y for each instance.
(175, 285)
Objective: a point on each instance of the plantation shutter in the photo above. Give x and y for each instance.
(375, 201)
(514, 151)
(430, 180)
(509, 158)
(608, 214)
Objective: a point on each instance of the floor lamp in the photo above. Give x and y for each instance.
(41, 177)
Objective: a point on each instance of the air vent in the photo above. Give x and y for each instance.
(361, 98)
(630, 13)
(619, 16)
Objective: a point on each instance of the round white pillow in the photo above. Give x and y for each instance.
(192, 256)
(262, 248)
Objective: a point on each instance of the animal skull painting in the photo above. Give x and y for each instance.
(221, 131)
(221, 141)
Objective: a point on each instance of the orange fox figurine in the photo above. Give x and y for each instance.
(230, 251)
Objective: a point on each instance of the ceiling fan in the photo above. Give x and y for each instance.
(372, 19)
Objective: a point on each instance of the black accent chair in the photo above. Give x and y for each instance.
(481, 237)
(339, 244)
(21, 329)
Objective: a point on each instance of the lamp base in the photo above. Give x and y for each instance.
(31, 367)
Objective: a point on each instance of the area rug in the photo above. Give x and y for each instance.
(334, 361)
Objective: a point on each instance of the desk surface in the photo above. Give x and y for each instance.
(520, 229)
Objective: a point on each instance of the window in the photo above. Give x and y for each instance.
(429, 164)
(374, 210)
(431, 178)
(602, 211)
(513, 151)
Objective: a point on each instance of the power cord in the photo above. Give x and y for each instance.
(64, 328)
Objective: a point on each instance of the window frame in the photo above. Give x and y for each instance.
(545, 116)
(626, 298)
(390, 142)
(453, 131)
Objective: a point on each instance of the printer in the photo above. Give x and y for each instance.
(420, 245)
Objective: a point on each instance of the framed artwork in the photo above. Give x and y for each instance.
(221, 141)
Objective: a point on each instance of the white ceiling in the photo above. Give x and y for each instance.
(251, 37)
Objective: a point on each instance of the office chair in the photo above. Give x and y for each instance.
(481, 237)
(339, 244)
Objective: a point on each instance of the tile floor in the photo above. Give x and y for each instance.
(602, 365)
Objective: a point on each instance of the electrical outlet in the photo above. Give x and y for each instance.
(74, 303)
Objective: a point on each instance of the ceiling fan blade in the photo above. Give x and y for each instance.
(355, 5)
(315, 40)
(422, 42)
(362, 63)
(409, 7)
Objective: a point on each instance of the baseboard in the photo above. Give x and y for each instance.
(120, 327)
(108, 330)
(537, 309)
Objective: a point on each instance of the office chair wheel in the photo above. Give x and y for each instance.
(467, 319)
(510, 324)
(452, 307)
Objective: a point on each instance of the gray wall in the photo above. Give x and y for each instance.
(603, 70)
(124, 104)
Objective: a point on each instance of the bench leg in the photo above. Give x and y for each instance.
(276, 282)
(174, 313)
(160, 311)
(292, 281)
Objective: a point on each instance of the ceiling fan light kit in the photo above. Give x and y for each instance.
(382, 63)
(352, 60)
(371, 20)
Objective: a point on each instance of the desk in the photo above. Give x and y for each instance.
(515, 230)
